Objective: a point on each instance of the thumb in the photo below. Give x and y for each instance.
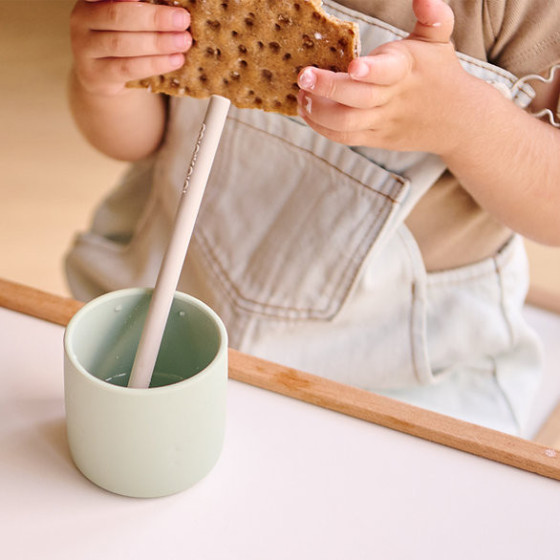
(434, 21)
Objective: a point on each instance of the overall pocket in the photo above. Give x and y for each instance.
(289, 242)
(481, 361)
(472, 311)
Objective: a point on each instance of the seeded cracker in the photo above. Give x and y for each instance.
(251, 51)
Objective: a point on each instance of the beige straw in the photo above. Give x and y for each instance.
(172, 264)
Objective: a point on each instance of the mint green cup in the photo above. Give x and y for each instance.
(145, 442)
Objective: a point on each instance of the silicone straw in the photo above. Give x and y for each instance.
(172, 264)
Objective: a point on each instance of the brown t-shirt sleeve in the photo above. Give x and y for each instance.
(526, 35)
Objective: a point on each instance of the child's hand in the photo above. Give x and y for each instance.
(401, 97)
(117, 41)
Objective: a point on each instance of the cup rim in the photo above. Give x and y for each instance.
(100, 300)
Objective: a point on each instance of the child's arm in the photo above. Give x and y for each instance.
(112, 43)
(414, 95)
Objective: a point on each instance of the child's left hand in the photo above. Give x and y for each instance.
(403, 96)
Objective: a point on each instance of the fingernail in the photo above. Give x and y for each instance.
(180, 40)
(359, 69)
(305, 105)
(180, 19)
(176, 60)
(307, 79)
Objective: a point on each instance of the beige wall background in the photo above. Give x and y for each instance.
(50, 179)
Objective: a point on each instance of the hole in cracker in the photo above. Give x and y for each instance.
(307, 41)
(260, 44)
(234, 75)
(274, 46)
(258, 101)
(287, 56)
(267, 75)
(243, 63)
(213, 24)
(291, 98)
(242, 49)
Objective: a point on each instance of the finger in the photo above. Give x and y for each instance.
(358, 138)
(385, 68)
(135, 16)
(102, 44)
(341, 88)
(119, 70)
(334, 116)
(435, 21)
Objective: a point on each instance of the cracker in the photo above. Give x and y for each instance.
(251, 51)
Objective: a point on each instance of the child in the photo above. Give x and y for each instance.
(375, 245)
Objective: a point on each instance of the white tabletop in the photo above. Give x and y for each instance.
(294, 482)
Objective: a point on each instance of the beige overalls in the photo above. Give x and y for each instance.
(301, 248)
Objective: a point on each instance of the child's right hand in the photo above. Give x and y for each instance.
(114, 42)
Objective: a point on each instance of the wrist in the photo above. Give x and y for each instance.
(111, 123)
(480, 112)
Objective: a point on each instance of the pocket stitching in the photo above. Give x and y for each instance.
(345, 280)
(230, 287)
(395, 177)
